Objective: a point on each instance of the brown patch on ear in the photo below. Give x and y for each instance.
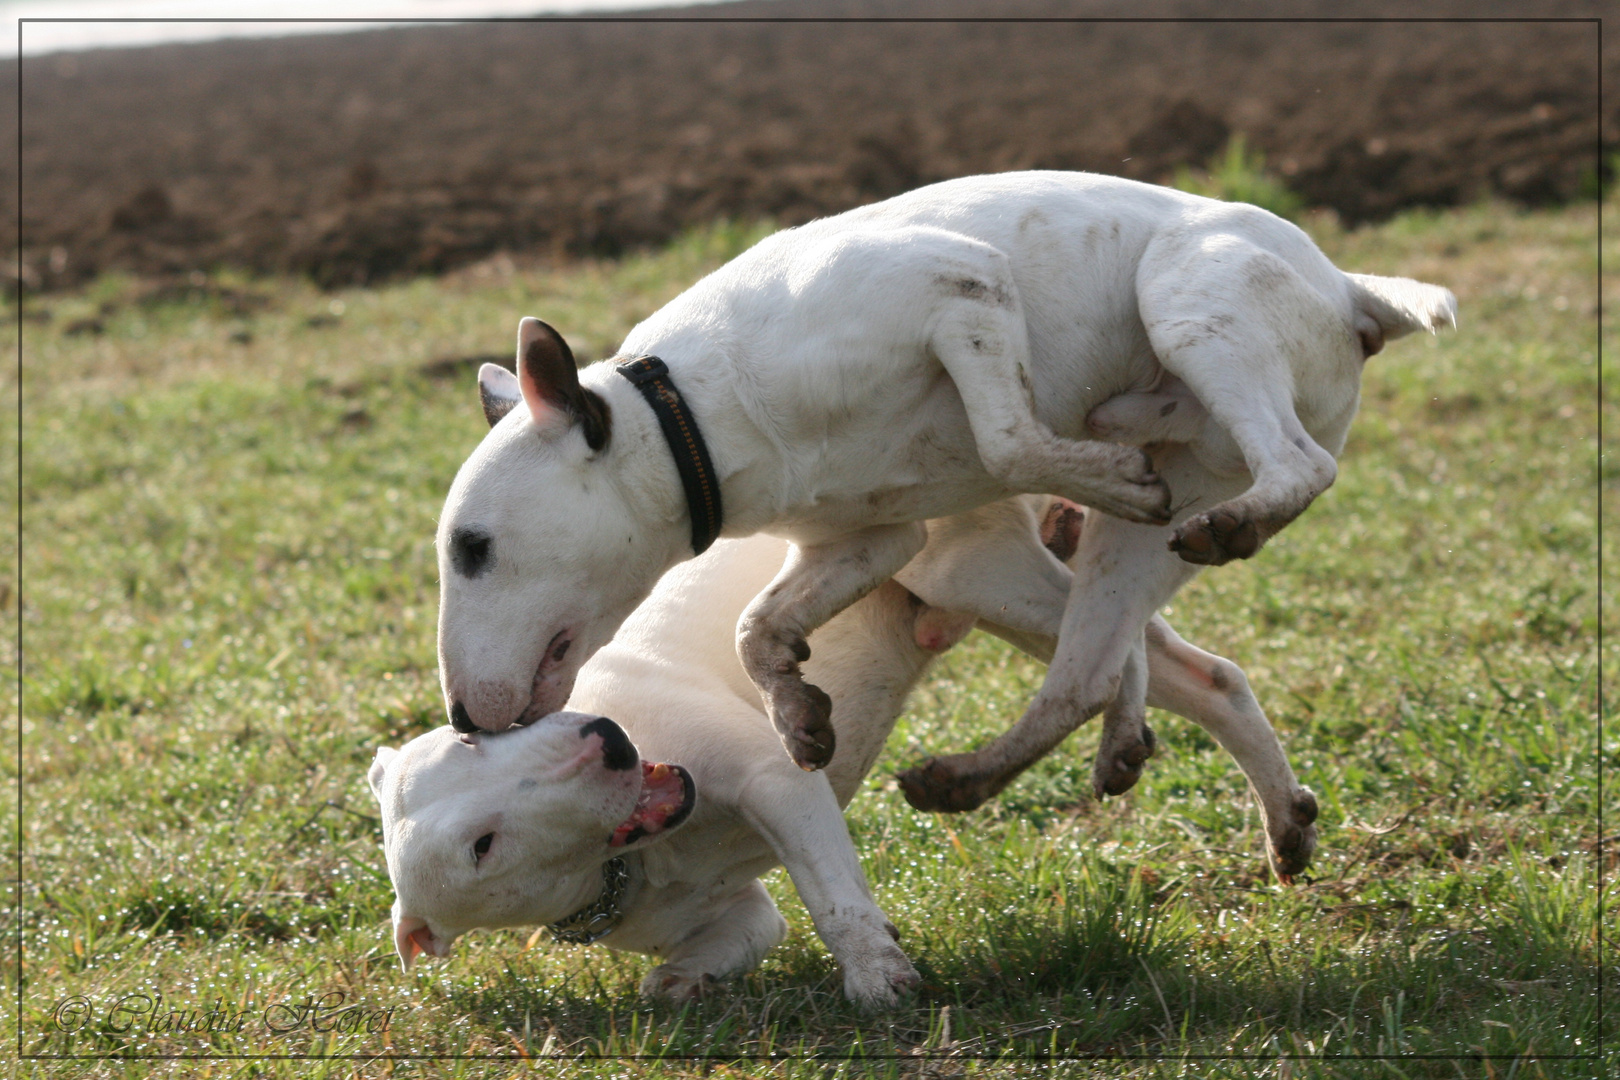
(548, 375)
(545, 363)
(495, 407)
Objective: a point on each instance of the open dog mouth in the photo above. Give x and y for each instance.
(667, 795)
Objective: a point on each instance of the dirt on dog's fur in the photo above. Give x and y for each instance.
(357, 157)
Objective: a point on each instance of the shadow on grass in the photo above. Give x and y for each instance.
(1107, 966)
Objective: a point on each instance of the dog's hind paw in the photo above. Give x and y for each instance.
(1292, 842)
(1216, 537)
(1119, 761)
(938, 786)
(802, 713)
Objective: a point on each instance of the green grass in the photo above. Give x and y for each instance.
(1238, 175)
(229, 594)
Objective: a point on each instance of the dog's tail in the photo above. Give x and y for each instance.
(1399, 306)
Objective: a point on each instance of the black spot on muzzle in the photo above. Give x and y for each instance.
(460, 720)
(618, 752)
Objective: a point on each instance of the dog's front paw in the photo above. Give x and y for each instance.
(1216, 537)
(802, 713)
(944, 786)
(880, 982)
(672, 983)
(1292, 841)
(1119, 761)
(1128, 487)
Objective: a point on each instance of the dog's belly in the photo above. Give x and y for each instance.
(914, 473)
(833, 516)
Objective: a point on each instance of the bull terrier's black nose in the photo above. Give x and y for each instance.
(618, 752)
(460, 720)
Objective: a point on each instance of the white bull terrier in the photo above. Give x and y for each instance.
(908, 360)
(654, 830)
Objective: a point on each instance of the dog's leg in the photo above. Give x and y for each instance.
(980, 338)
(1123, 575)
(741, 933)
(815, 584)
(1006, 564)
(1214, 693)
(1127, 742)
(799, 816)
(1245, 332)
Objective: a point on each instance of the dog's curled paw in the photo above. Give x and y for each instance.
(1129, 487)
(1292, 841)
(802, 713)
(1118, 765)
(1215, 538)
(940, 786)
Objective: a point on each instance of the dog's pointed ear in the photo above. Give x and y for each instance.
(497, 391)
(379, 769)
(548, 378)
(413, 936)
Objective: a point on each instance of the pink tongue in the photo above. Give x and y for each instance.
(662, 792)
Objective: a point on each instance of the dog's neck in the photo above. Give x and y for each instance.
(752, 478)
(601, 916)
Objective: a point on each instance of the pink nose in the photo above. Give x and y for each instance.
(487, 706)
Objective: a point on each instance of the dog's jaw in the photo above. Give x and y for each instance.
(668, 794)
(553, 678)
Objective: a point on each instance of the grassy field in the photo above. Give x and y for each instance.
(229, 494)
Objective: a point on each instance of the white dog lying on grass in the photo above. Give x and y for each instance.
(654, 830)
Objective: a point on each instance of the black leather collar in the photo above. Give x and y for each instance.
(649, 375)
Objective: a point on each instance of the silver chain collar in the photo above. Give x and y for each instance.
(599, 918)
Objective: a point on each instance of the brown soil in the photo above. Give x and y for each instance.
(362, 156)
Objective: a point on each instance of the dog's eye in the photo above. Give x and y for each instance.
(471, 552)
(481, 846)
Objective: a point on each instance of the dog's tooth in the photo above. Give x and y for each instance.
(660, 771)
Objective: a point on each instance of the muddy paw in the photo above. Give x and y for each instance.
(802, 713)
(1118, 768)
(1293, 844)
(1216, 537)
(939, 787)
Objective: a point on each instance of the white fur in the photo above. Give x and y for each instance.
(914, 359)
(672, 681)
